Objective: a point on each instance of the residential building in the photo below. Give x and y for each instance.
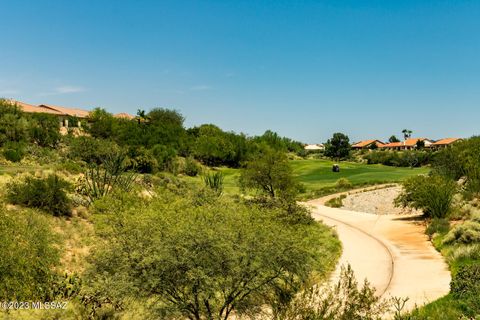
(313, 147)
(443, 143)
(367, 144)
(408, 144)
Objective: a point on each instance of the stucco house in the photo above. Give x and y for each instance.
(443, 143)
(367, 144)
(313, 147)
(408, 144)
(64, 114)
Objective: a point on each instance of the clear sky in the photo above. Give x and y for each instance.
(305, 69)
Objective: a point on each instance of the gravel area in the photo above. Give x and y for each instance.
(379, 202)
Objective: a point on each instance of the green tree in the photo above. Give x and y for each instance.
(420, 144)
(101, 124)
(431, 194)
(205, 261)
(44, 130)
(407, 133)
(393, 138)
(461, 160)
(338, 147)
(14, 125)
(271, 174)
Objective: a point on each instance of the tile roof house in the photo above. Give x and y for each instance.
(28, 108)
(318, 146)
(73, 112)
(124, 115)
(442, 143)
(367, 144)
(408, 144)
(64, 114)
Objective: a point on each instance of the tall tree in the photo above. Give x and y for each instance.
(270, 173)
(393, 138)
(407, 133)
(338, 147)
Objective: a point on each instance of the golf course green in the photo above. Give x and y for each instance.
(315, 174)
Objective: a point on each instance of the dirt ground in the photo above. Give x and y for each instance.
(380, 201)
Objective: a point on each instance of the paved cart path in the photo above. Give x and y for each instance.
(392, 252)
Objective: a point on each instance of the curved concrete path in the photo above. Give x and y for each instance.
(392, 252)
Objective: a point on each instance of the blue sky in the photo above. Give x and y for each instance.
(305, 69)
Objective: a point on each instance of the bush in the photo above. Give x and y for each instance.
(432, 194)
(343, 183)
(192, 168)
(466, 282)
(48, 194)
(461, 160)
(28, 256)
(214, 182)
(14, 152)
(164, 156)
(467, 232)
(91, 150)
(343, 300)
(465, 252)
(44, 129)
(156, 249)
(409, 158)
(102, 179)
(336, 202)
(142, 160)
(437, 226)
(271, 174)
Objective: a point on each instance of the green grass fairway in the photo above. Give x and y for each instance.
(316, 174)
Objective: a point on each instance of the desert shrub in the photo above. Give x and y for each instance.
(91, 150)
(336, 202)
(409, 158)
(466, 283)
(157, 249)
(437, 226)
(192, 168)
(343, 183)
(214, 181)
(432, 194)
(467, 232)
(14, 151)
(142, 160)
(102, 179)
(47, 193)
(164, 156)
(28, 256)
(70, 166)
(13, 123)
(461, 160)
(465, 252)
(342, 300)
(475, 216)
(44, 129)
(271, 174)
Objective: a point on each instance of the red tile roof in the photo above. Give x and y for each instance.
(124, 115)
(25, 107)
(80, 113)
(366, 143)
(446, 141)
(411, 142)
(393, 145)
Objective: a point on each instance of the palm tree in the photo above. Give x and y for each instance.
(406, 133)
